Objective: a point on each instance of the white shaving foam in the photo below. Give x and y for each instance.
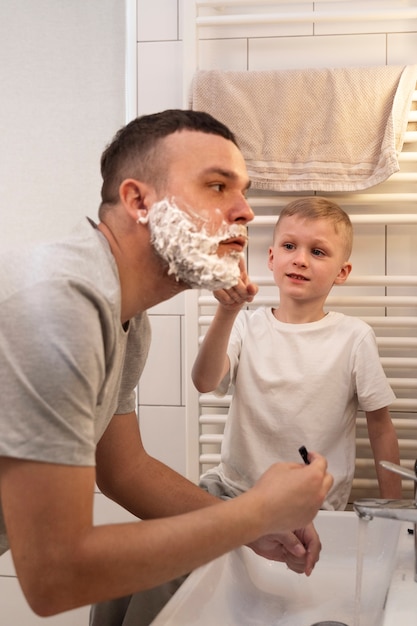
(189, 249)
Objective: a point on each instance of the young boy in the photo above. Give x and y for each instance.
(299, 373)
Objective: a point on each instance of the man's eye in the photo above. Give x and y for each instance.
(218, 186)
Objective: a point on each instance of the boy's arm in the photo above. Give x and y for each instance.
(384, 444)
(212, 362)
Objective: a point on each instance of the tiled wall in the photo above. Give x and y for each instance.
(159, 50)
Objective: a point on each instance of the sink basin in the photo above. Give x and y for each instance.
(243, 589)
(401, 606)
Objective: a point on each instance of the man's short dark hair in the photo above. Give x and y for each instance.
(132, 152)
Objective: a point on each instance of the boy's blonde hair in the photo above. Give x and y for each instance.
(317, 207)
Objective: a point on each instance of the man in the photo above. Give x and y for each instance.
(74, 337)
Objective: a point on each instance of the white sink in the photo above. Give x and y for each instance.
(243, 589)
(401, 607)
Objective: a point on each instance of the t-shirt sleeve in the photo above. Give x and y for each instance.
(372, 386)
(52, 360)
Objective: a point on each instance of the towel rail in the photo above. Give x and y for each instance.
(344, 200)
(367, 281)
(391, 322)
(403, 404)
(406, 157)
(386, 321)
(221, 4)
(356, 15)
(339, 301)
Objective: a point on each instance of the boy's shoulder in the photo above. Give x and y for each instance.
(247, 316)
(355, 324)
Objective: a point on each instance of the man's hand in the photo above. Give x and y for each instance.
(300, 550)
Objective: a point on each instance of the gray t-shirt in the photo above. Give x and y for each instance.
(66, 362)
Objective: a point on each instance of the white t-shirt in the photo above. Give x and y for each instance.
(297, 384)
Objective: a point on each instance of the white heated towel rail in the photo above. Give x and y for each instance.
(388, 302)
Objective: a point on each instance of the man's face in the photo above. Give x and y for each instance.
(199, 227)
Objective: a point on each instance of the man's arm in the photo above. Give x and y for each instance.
(384, 444)
(127, 474)
(63, 561)
(212, 362)
(300, 550)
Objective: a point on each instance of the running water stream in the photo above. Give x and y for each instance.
(362, 532)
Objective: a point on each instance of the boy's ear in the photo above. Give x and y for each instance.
(270, 258)
(343, 274)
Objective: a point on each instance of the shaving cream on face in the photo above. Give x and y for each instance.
(184, 239)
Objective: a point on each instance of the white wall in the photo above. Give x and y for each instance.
(62, 98)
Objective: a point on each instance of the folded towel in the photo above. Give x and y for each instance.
(335, 129)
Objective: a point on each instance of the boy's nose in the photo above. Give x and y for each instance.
(300, 258)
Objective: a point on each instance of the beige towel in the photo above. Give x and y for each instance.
(315, 129)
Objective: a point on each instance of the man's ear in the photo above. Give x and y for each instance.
(136, 197)
(343, 274)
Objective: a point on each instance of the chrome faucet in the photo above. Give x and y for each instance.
(402, 510)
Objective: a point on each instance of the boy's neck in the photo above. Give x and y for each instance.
(298, 314)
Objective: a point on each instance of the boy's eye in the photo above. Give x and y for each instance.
(288, 246)
(317, 252)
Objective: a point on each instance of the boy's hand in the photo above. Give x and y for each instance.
(244, 291)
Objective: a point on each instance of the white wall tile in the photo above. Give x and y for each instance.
(360, 26)
(159, 76)
(173, 306)
(304, 52)
(402, 49)
(108, 512)
(6, 565)
(223, 54)
(164, 435)
(185, 373)
(160, 383)
(157, 20)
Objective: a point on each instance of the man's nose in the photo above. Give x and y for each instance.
(241, 211)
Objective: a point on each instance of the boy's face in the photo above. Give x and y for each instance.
(307, 258)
